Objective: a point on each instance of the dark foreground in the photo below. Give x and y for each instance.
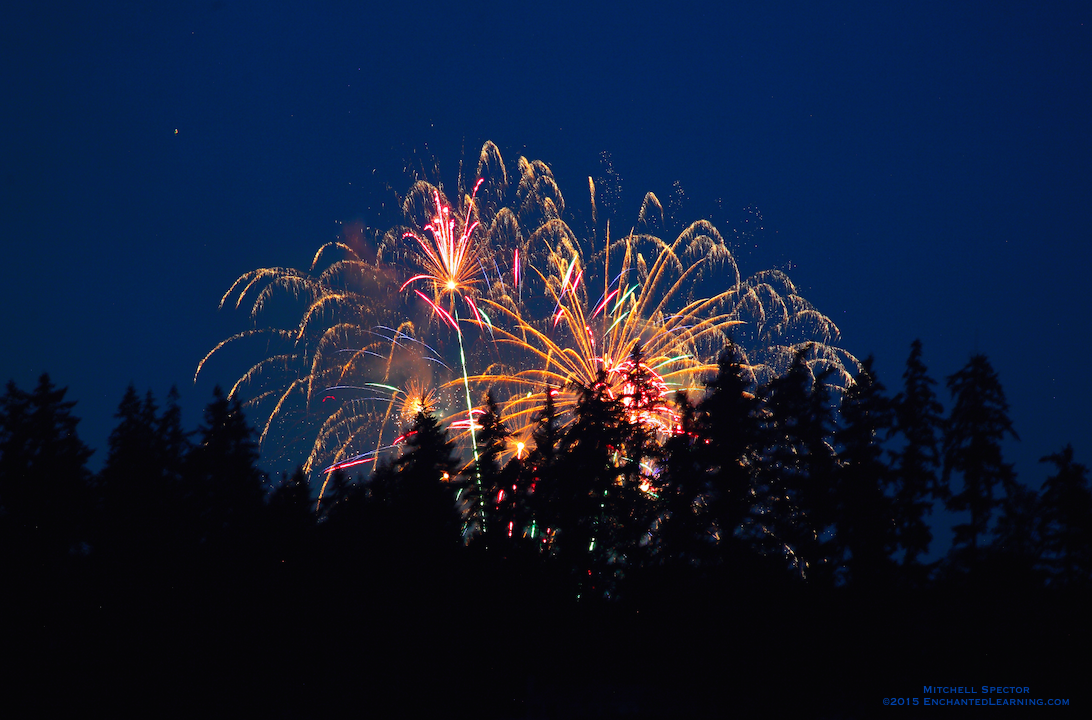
(337, 635)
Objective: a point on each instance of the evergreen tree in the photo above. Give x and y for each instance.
(131, 445)
(594, 506)
(290, 502)
(224, 484)
(132, 484)
(290, 519)
(44, 482)
(865, 533)
(417, 492)
(728, 448)
(796, 473)
(539, 472)
(1017, 547)
(1066, 521)
(547, 431)
(336, 489)
(486, 492)
(978, 423)
(511, 505)
(174, 442)
(685, 527)
(917, 419)
(647, 413)
(15, 449)
(643, 391)
(351, 517)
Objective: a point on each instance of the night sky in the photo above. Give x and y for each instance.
(921, 171)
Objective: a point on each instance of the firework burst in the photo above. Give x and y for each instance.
(499, 283)
(614, 312)
(449, 257)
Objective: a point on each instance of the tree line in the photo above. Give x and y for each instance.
(763, 501)
(776, 480)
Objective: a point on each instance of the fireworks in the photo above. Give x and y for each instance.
(449, 258)
(500, 287)
(609, 305)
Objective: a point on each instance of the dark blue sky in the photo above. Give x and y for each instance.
(922, 171)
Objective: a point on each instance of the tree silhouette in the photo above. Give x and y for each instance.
(972, 447)
(540, 469)
(134, 487)
(509, 487)
(1017, 546)
(918, 420)
(594, 507)
(1066, 521)
(290, 518)
(684, 528)
(44, 482)
(729, 447)
(865, 530)
(174, 442)
(416, 492)
(259, 580)
(488, 493)
(547, 431)
(225, 488)
(795, 476)
(646, 409)
(642, 391)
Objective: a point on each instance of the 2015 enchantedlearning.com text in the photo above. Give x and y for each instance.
(965, 690)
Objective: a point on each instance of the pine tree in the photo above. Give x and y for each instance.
(978, 423)
(131, 485)
(290, 519)
(595, 506)
(796, 472)
(539, 472)
(865, 533)
(547, 431)
(223, 482)
(647, 410)
(729, 446)
(685, 528)
(174, 442)
(643, 392)
(492, 438)
(1017, 546)
(351, 518)
(1066, 521)
(44, 482)
(290, 502)
(131, 445)
(416, 493)
(917, 419)
(501, 493)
